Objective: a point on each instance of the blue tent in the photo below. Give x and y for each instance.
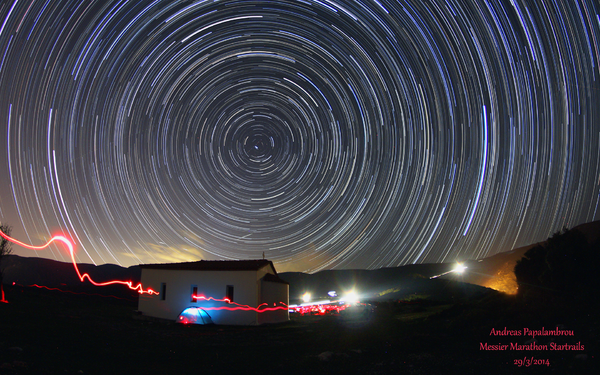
(194, 315)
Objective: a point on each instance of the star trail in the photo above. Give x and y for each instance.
(324, 134)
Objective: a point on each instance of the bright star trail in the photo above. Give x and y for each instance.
(324, 134)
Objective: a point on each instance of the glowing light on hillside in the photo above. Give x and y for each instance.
(459, 268)
(306, 297)
(350, 297)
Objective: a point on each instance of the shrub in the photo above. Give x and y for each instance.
(564, 267)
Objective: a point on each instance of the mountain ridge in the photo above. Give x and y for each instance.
(494, 272)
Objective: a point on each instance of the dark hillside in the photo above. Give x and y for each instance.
(495, 272)
(377, 285)
(61, 275)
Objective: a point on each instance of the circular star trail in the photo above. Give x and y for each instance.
(322, 134)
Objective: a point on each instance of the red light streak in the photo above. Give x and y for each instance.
(129, 284)
(320, 309)
(81, 276)
(3, 300)
(227, 300)
(258, 309)
(246, 308)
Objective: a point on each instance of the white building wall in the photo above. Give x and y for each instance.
(274, 294)
(210, 284)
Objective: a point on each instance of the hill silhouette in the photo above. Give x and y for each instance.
(497, 271)
(494, 272)
(410, 281)
(385, 283)
(49, 273)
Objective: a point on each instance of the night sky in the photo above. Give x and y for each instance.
(324, 134)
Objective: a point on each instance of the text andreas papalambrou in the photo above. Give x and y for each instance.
(556, 335)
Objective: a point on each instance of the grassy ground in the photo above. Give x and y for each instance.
(46, 332)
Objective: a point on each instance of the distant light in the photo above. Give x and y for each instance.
(332, 293)
(459, 268)
(306, 297)
(350, 297)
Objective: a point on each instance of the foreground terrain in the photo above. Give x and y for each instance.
(50, 332)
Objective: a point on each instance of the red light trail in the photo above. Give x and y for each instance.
(314, 309)
(319, 309)
(81, 276)
(260, 308)
(129, 284)
(238, 306)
